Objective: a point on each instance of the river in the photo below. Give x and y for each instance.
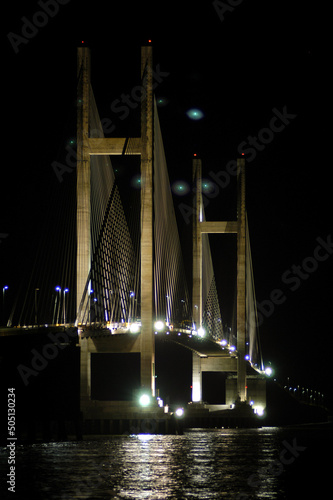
(233, 464)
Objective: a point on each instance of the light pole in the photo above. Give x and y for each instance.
(58, 299)
(3, 304)
(131, 307)
(36, 306)
(64, 304)
(167, 309)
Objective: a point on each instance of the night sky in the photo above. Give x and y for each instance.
(257, 74)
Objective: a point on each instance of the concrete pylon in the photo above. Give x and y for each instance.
(147, 127)
(197, 245)
(143, 146)
(238, 227)
(83, 174)
(241, 282)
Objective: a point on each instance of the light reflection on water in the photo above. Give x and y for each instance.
(221, 464)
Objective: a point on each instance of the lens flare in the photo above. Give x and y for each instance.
(195, 114)
(136, 182)
(180, 188)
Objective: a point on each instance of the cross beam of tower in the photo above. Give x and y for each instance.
(200, 227)
(143, 146)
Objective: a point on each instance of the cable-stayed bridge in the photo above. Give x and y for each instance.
(118, 270)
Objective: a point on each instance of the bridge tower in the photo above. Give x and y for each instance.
(201, 226)
(143, 146)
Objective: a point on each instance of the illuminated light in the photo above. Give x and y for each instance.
(179, 412)
(195, 154)
(259, 410)
(58, 289)
(145, 437)
(144, 400)
(223, 342)
(134, 328)
(201, 332)
(268, 371)
(251, 402)
(149, 41)
(195, 114)
(232, 348)
(159, 325)
(247, 357)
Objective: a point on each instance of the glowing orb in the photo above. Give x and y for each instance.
(180, 188)
(144, 400)
(207, 186)
(136, 181)
(195, 114)
(179, 412)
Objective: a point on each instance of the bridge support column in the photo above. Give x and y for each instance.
(85, 376)
(83, 175)
(147, 327)
(196, 379)
(241, 283)
(197, 246)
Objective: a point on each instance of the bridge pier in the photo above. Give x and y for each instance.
(256, 383)
(143, 146)
(196, 378)
(200, 226)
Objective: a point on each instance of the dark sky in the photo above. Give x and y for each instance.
(241, 67)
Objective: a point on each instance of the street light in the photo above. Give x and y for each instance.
(58, 289)
(36, 306)
(65, 291)
(159, 325)
(144, 400)
(3, 303)
(201, 332)
(131, 306)
(167, 309)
